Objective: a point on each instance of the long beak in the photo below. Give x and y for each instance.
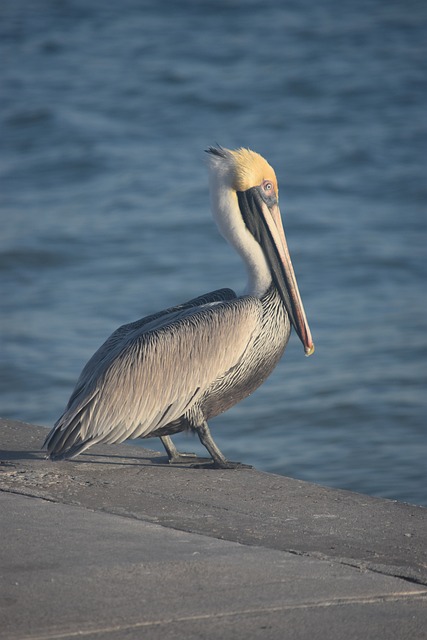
(267, 229)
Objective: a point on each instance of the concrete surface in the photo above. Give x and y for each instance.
(118, 544)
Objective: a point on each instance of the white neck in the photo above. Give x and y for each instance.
(227, 215)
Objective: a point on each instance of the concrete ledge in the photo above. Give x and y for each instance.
(140, 548)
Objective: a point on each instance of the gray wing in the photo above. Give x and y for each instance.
(120, 335)
(154, 376)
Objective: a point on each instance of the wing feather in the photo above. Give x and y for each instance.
(158, 371)
(120, 335)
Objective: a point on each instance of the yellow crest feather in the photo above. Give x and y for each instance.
(251, 169)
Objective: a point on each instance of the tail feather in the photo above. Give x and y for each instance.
(71, 452)
(64, 439)
(67, 438)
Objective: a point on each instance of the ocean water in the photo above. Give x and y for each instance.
(105, 111)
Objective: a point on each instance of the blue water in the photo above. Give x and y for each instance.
(105, 111)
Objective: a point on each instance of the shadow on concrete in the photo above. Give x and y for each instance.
(21, 455)
(130, 461)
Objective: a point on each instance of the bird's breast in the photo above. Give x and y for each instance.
(257, 363)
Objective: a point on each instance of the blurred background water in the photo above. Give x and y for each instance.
(105, 111)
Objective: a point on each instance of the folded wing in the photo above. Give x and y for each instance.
(155, 374)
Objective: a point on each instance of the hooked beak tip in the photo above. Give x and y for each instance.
(309, 350)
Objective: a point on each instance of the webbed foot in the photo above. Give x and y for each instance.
(176, 457)
(227, 464)
(188, 458)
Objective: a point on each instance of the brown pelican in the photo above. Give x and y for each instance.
(176, 369)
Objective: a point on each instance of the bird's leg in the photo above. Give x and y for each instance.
(175, 457)
(219, 460)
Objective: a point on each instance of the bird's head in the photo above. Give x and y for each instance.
(245, 205)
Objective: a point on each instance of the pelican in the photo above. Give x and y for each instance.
(176, 369)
